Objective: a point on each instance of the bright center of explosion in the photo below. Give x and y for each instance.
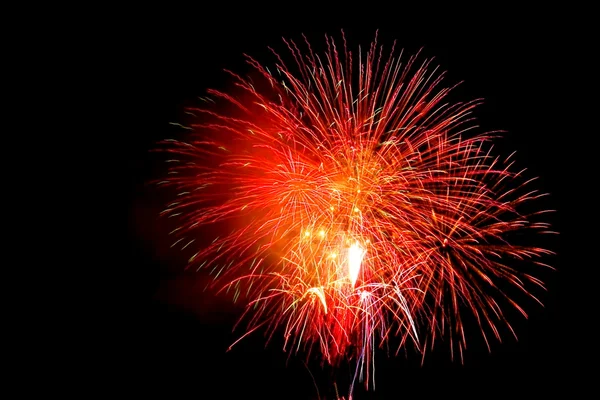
(355, 257)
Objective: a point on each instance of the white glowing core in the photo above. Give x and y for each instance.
(355, 257)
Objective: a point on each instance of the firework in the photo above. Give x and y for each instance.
(353, 203)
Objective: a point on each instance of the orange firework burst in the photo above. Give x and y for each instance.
(353, 204)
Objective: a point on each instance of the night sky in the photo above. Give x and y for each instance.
(175, 336)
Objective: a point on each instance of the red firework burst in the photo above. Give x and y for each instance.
(354, 203)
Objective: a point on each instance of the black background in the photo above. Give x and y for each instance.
(174, 336)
